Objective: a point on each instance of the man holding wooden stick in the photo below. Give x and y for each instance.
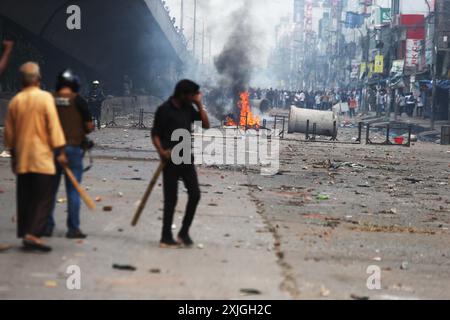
(178, 113)
(76, 122)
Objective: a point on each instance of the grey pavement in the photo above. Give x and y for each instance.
(309, 232)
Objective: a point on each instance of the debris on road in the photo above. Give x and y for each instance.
(50, 284)
(124, 267)
(404, 265)
(377, 259)
(250, 292)
(155, 270)
(324, 292)
(357, 297)
(390, 229)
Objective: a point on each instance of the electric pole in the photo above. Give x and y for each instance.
(435, 53)
(203, 43)
(195, 28)
(182, 16)
(210, 50)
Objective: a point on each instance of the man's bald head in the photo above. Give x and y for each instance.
(30, 74)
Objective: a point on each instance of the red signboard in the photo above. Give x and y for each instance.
(415, 25)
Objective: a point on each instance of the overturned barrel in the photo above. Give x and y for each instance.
(325, 121)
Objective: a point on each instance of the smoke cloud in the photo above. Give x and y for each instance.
(236, 63)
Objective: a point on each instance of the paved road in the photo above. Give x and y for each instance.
(237, 253)
(387, 207)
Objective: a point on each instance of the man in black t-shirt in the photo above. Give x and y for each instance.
(178, 113)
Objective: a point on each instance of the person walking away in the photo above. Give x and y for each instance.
(317, 101)
(301, 99)
(324, 101)
(352, 105)
(96, 98)
(372, 100)
(402, 103)
(380, 103)
(410, 104)
(76, 121)
(178, 113)
(32, 133)
(420, 105)
(387, 105)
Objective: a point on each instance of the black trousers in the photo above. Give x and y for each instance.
(172, 173)
(34, 203)
(97, 118)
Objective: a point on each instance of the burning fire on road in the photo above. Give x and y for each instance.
(246, 119)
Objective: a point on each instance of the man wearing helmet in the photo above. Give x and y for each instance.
(76, 122)
(96, 98)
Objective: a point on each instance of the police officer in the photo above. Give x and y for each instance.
(76, 122)
(96, 98)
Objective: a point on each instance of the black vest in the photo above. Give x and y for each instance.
(71, 120)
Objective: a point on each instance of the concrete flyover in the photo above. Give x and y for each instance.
(117, 38)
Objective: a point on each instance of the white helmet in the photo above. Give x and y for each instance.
(96, 82)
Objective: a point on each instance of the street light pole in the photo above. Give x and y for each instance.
(195, 28)
(182, 15)
(210, 49)
(203, 43)
(435, 53)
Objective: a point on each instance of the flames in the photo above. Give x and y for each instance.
(247, 118)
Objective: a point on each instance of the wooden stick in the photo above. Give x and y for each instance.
(147, 193)
(83, 194)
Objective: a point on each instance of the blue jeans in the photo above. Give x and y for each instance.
(75, 158)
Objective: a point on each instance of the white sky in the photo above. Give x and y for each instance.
(264, 14)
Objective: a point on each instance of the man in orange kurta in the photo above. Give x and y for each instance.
(32, 133)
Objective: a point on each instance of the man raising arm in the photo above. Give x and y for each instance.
(178, 113)
(7, 49)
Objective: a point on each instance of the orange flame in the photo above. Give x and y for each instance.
(247, 119)
(229, 122)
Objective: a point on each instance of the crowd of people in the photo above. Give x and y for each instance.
(382, 101)
(318, 100)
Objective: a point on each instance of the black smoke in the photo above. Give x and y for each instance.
(235, 64)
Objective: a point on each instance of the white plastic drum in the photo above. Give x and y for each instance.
(324, 121)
